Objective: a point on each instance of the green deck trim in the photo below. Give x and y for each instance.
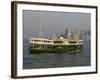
(55, 49)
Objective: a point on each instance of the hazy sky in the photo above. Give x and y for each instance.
(53, 22)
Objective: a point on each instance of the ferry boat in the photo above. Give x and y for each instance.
(54, 45)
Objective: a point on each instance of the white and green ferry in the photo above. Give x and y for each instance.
(54, 45)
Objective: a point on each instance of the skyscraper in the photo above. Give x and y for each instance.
(66, 33)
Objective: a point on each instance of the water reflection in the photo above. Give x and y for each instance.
(51, 60)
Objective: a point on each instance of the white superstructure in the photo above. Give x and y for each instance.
(60, 41)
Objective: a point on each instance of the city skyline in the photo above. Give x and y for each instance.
(53, 22)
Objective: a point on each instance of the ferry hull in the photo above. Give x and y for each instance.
(55, 50)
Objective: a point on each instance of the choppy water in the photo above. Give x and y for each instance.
(52, 60)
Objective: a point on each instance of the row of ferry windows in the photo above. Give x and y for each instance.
(42, 41)
(47, 41)
(53, 41)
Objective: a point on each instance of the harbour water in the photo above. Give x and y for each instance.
(53, 60)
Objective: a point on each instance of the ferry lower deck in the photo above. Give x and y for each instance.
(56, 48)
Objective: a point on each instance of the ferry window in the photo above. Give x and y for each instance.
(40, 40)
(72, 42)
(45, 41)
(49, 41)
(36, 40)
(58, 41)
(32, 40)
